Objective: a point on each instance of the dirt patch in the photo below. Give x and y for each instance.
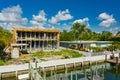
(51, 58)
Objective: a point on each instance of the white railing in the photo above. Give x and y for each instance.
(34, 75)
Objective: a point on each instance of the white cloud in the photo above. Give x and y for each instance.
(11, 16)
(37, 24)
(39, 20)
(107, 20)
(83, 21)
(61, 16)
(40, 16)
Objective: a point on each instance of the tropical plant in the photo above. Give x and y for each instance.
(5, 38)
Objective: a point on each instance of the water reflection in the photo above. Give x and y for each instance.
(104, 71)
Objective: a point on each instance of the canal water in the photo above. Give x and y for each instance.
(104, 71)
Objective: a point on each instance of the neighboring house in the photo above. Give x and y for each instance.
(86, 44)
(34, 39)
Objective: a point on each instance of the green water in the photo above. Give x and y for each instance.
(102, 71)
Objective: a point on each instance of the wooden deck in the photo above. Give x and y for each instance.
(114, 61)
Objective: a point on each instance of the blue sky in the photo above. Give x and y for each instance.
(98, 15)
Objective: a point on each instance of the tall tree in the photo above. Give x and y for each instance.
(80, 31)
(5, 38)
(66, 36)
(106, 35)
(118, 33)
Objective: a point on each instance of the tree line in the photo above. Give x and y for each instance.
(82, 32)
(5, 38)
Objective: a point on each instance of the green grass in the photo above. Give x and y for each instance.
(2, 62)
(64, 53)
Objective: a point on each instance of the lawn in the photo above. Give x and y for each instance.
(63, 54)
(52, 55)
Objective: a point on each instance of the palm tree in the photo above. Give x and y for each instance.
(118, 33)
(106, 35)
(79, 31)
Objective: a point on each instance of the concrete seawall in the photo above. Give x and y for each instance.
(14, 70)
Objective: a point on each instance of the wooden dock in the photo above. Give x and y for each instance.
(114, 61)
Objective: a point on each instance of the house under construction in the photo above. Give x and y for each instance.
(34, 39)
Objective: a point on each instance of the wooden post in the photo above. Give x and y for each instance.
(16, 75)
(76, 76)
(71, 77)
(36, 64)
(96, 71)
(91, 78)
(85, 76)
(29, 69)
(89, 63)
(74, 64)
(55, 72)
(105, 57)
(0, 76)
(103, 72)
(44, 74)
(40, 70)
(35, 75)
(96, 62)
(117, 60)
(51, 74)
(65, 69)
(81, 64)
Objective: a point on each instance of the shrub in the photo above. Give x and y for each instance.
(72, 47)
(97, 49)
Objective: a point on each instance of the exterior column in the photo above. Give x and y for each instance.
(45, 35)
(43, 45)
(21, 35)
(26, 46)
(58, 44)
(30, 42)
(38, 44)
(34, 45)
(21, 40)
(47, 44)
(58, 39)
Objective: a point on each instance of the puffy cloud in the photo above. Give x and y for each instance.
(83, 21)
(107, 20)
(11, 16)
(61, 16)
(39, 20)
(37, 24)
(40, 16)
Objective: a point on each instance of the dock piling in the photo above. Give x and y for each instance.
(65, 69)
(71, 76)
(76, 75)
(105, 57)
(103, 72)
(85, 76)
(51, 74)
(0, 76)
(117, 60)
(16, 75)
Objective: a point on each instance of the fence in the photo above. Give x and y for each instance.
(34, 74)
